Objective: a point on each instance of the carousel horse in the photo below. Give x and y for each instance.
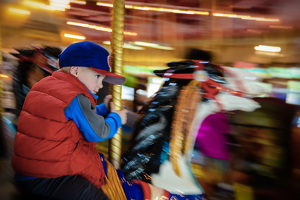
(35, 63)
(164, 135)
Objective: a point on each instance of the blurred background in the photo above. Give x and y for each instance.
(260, 36)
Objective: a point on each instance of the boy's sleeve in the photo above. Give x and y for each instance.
(101, 109)
(93, 126)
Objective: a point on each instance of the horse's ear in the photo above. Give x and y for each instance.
(181, 67)
(52, 51)
(17, 55)
(160, 73)
(180, 64)
(26, 52)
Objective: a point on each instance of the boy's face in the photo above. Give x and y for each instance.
(91, 79)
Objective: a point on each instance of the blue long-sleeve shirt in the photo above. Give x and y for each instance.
(95, 123)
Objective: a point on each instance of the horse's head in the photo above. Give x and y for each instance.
(217, 83)
(35, 63)
(163, 136)
(44, 57)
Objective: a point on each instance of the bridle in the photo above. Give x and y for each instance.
(211, 88)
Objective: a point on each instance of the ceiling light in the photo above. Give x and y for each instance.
(19, 11)
(164, 47)
(127, 46)
(3, 76)
(78, 2)
(130, 46)
(74, 36)
(42, 6)
(61, 1)
(60, 5)
(146, 44)
(267, 48)
(105, 4)
(158, 9)
(153, 45)
(98, 28)
(246, 17)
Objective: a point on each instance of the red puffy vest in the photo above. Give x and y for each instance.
(47, 145)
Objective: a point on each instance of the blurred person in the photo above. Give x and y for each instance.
(54, 151)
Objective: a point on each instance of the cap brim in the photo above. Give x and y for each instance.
(111, 77)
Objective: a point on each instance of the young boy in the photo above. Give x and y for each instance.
(54, 151)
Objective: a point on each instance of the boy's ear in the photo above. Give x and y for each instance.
(74, 71)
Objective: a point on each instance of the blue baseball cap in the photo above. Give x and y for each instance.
(89, 54)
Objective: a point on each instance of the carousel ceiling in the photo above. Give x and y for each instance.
(193, 19)
(161, 21)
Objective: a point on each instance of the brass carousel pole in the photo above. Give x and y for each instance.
(115, 144)
(1, 82)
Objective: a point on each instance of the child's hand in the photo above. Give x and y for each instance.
(106, 101)
(122, 113)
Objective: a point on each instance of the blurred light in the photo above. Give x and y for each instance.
(153, 45)
(19, 11)
(78, 2)
(127, 46)
(130, 46)
(246, 17)
(61, 1)
(164, 47)
(33, 3)
(142, 70)
(105, 4)
(98, 28)
(65, 2)
(146, 44)
(127, 93)
(148, 8)
(154, 84)
(267, 48)
(3, 76)
(59, 5)
(42, 5)
(130, 33)
(78, 24)
(281, 27)
(74, 36)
